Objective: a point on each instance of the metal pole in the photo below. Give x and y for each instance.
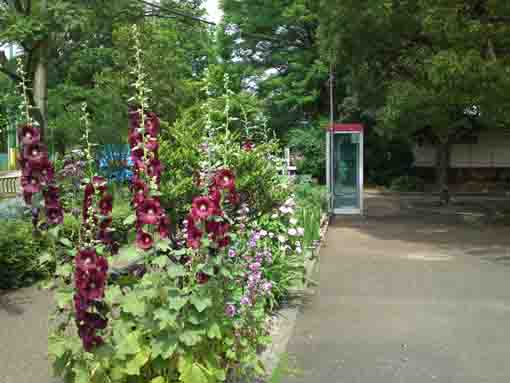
(329, 154)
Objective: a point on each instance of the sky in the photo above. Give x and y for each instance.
(213, 8)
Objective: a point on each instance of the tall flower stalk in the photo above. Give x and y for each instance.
(144, 127)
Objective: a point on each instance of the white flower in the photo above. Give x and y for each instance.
(284, 209)
(290, 202)
(271, 235)
(274, 216)
(301, 231)
(263, 233)
(292, 232)
(282, 238)
(293, 221)
(299, 250)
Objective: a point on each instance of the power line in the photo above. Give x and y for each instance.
(211, 23)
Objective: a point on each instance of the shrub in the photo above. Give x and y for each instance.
(407, 184)
(19, 254)
(310, 142)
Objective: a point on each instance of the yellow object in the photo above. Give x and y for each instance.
(13, 157)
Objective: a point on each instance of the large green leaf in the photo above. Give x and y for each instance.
(133, 304)
(201, 303)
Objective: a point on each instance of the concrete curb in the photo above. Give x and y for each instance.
(284, 321)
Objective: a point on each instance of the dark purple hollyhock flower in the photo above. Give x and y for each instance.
(90, 284)
(135, 139)
(35, 154)
(106, 204)
(234, 198)
(27, 197)
(29, 135)
(154, 168)
(86, 259)
(99, 183)
(102, 265)
(149, 212)
(81, 306)
(144, 240)
(51, 196)
(194, 233)
(89, 338)
(202, 278)
(152, 124)
(164, 227)
(94, 321)
(105, 236)
(54, 215)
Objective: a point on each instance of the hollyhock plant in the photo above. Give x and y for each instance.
(29, 135)
(224, 179)
(202, 208)
(149, 212)
(144, 240)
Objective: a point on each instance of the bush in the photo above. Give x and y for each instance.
(407, 184)
(19, 255)
(310, 143)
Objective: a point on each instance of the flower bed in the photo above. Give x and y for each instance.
(187, 301)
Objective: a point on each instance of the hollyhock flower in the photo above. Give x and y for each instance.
(215, 196)
(135, 139)
(245, 301)
(152, 144)
(149, 212)
(292, 232)
(35, 154)
(99, 183)
(91, 284)
(255, 266)
(234, 198)
(89, 338)
(301, 231)
(30, 185)
(223, 242)
(202, 278)
(137, 154)
(248, 146)
(202, 208)
(81, 305)
(27, 197)
(86, 259)
(152, 124)
(94, 321)
(154, 168)
(293, 221)
(144, 240)
(164, 229)
(102, 265)
(54, 215)
(29, 135)
(106, 204)
(105, 236)
(139, 187)
(224, 179)
(230, 310)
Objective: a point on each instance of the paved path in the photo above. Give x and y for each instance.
(411, 300)
(23, 337)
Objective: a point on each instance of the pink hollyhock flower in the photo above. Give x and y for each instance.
(149, 212)
(164, 227)
(224, 179)
(30, 184)
(144, 240)
(152, 124)
(106, 204)
(86, 259)
(248, 146)
(202, 208)
(29, 135)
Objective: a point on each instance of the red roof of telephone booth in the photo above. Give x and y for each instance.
(346, 128)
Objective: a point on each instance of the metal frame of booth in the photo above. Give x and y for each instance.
(339, 199)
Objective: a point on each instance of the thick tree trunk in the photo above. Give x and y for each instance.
(442, 167)
(40, 79)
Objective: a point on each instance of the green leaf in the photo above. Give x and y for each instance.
(56, 346)
(164, 345)
(161, 261)
(66, 242)
(54, 232)
(159, 379)
(163, 245)
(64, 298)
(177, 303)
(134, 365)
(201, 303)
(130, 220)
(214, 331)
(129, 345)
(191, 337)
(166, 318)
(175, 271)
(64, 271)
(133, 304)
(46, 257)
(112, 294)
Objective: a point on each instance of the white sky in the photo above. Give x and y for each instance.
(213, 8)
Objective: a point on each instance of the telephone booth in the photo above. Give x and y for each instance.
(345, 168)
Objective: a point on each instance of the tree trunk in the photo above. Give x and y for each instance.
(442, 167)
(40, 79)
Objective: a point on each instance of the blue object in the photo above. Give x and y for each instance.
(115, 162)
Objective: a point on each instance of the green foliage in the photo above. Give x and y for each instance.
(310, 142)
(19, 254)
(407, 184)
